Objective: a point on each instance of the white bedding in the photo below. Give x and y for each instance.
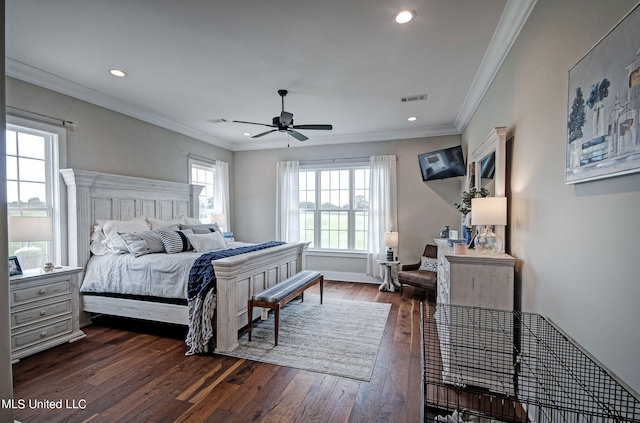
(158, 275)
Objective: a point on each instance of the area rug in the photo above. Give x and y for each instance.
(338, 337)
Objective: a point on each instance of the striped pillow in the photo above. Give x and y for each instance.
(176, 241)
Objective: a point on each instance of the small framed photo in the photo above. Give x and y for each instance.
(14, 266)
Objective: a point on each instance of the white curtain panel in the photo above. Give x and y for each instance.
(287, 202)
(383, 209)
(221, 191)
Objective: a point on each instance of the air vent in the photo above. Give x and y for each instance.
(217, 120)
(417, 97)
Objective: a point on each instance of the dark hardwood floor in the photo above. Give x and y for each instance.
(127, 371)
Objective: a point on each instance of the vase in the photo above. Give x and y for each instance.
(467, 234)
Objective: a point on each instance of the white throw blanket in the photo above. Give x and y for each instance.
(201, 327)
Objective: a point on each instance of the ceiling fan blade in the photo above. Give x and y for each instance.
(297, 135)
(253, 123)
(285, 119)
(317, 127)
(264, 133)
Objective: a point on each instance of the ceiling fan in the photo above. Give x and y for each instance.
(284, 123)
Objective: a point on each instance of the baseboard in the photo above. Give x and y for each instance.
(350, 277)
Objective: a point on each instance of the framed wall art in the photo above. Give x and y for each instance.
(604, 106)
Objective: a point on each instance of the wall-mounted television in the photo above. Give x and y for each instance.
(441, 164)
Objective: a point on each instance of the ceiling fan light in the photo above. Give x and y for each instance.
(412, 118)
(246, 134)
(404, 16)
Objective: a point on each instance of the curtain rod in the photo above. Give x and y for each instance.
(204, 159)
(64, 123)
(339, 160)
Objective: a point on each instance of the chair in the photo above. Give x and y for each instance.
(410, 274)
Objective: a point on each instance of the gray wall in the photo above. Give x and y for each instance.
(423, 208)
(110, 142)
(576, 245)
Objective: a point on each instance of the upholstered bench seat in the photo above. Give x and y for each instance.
(281, 293)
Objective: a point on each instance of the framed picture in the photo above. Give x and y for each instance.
(604, 106)
(14, 266)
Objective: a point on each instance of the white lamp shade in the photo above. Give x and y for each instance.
(489, 211)
(220, 219)
(391, 239)
(29, 228)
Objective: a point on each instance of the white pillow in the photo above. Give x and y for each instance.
(429, 264)
(207, 242)
(157, 224)
(191, 221)
(113, 228)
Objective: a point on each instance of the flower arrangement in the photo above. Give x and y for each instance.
(464, 206)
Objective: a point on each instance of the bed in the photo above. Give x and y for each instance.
(93, 195)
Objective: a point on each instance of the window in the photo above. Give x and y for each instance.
(203, 173)
(32, 186)
(334, 207)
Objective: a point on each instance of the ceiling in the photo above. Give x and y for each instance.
(345, 63)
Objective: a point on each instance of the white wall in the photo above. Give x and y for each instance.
(423, 208)
(576, 245)
(6, 381)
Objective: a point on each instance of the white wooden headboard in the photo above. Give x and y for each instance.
(95, 195)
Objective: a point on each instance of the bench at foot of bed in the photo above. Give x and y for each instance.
(280, 294)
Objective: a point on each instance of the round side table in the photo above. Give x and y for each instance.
(390, 283)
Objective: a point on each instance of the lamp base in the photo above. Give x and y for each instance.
(488, 242)
(389, 254)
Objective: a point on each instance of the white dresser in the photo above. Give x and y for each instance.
(474, 279)
(477, 282)
(44, 310)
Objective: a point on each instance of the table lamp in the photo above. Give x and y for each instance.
(220, 219)
(487, 212)
(391, 241)
(30, 229)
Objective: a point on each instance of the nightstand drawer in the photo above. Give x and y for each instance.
(42, 311)
(41, 334)
(19, 296)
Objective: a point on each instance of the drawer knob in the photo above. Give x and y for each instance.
(43, 312)
(42, 291)
(43, 334)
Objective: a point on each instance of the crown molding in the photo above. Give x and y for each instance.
(52, 82)
(513, 18)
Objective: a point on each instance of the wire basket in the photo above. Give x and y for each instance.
(487, 365)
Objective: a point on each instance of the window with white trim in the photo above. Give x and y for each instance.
(334, 207)
(33, 185)
(202, 173)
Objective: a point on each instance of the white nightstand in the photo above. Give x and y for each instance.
(45, 310)
(389, 284)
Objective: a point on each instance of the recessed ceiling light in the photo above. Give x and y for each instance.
(404, 16)
(247, 134)
(118, 73)
(412, 119)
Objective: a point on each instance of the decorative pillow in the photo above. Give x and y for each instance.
(202, 228)
(176, 241)
(207, 242)
(113, 228)
(146, 242)
(429, 264)
(191, 221)
(157, 224)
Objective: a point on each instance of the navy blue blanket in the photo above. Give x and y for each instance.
(202, 277)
